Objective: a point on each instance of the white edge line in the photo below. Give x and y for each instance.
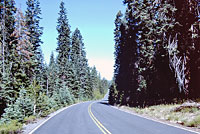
(156, 120)
(52, 117)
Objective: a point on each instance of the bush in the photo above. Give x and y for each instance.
(43, 107)
(98, 95)
(12, 112)
(189, 110)
(63, 96)
(22, 107)
(13, 127)
(30, 119)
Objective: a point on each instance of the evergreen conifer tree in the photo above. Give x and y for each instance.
(64, 43)
(33, 18)
(52, 75)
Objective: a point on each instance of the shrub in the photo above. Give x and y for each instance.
(30, 119)
(13, 127)
(98, 95)
(189, 110)
(22, 107)
(194, 123)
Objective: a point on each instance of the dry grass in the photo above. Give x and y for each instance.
(188, 116)
(13, 127)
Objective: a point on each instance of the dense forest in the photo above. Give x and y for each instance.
(28, 86)
(157, 52)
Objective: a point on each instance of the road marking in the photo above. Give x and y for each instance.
(52, 117)
(99, 125)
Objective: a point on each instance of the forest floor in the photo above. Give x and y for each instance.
(186, 115)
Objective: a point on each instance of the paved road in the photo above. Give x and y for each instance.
(100, 118)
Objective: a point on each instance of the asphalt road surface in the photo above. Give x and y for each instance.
(97, 117)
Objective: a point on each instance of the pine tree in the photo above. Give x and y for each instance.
(22, 107)
(7, 21)
(33, 18)
(141, 55)
(92, 82)
(104, 86)
(64, 43)
(23, 50)
(18, 61)
(113, 94)
(80, 64)
(187, 30)
(94, 77)
(52, 75)
(119, 43)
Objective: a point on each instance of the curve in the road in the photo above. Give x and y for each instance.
(99, 117)
(96, 121)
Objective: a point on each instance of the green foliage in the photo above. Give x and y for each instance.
(65, 96)
(12, 112)
(113, 93)
(98, 95)
(29, 119)
(33, 18)
(45, 105)
(51, 76)
(12, 127)
(28, 87)
(22, 107)
(142, 72)
(189, 110)
(64, 40)
(34, 93)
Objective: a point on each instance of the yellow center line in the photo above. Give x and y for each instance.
(99, 125)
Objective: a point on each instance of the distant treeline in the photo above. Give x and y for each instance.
(157, 52)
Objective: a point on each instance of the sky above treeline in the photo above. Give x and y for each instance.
(95, 20)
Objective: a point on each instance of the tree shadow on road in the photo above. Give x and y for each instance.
(104, 103)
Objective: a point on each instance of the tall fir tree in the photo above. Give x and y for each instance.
(52, 75)
(64, 44)
(187, 30)
(7, 21)
(33, 18)
(119, 33)
(142, 53)
(79, 62)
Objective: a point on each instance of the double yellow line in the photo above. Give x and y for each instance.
(99, 125)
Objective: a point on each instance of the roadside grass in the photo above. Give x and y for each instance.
(189, 117)
(30, 119)
(13, 127)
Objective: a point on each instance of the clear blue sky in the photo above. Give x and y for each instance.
(95, 20)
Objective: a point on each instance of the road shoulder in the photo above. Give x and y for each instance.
(124, 109)
(31, 127)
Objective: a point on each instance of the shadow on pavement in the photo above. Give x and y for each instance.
(104, 103)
